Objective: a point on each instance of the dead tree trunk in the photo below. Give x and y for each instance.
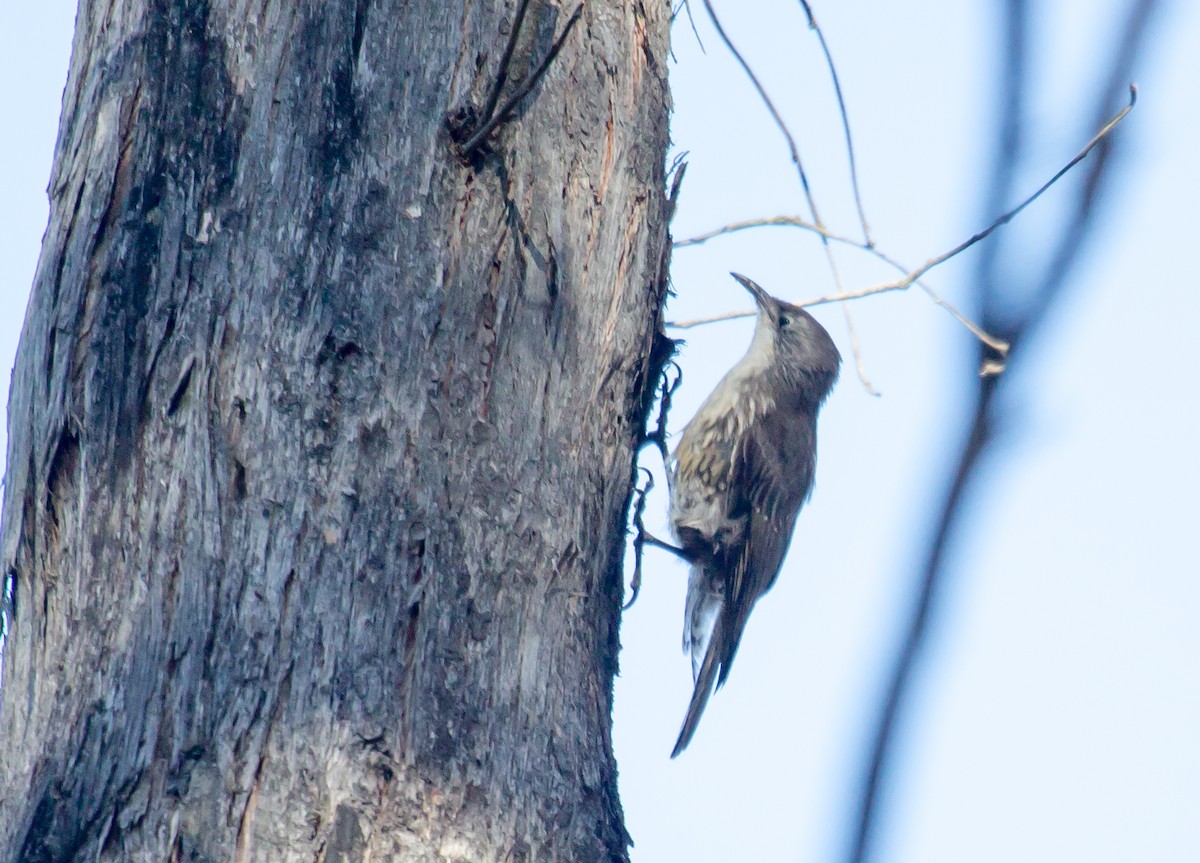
(322, 434)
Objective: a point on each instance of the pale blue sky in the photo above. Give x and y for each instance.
(1058, 715)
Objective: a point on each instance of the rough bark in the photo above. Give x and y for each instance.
(321, 436)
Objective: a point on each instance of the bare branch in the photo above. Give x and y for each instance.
(997, 344)
(709, 319)
(687, 7)
(987, 338)
(837, 89)
(855, 350)
(1017, 327)
(523, 90)
(505, 59)
(796, 160)
(913, 275)
(793, 149)
(910, 277)
(994, 342)
(857, 354)
(790, 221)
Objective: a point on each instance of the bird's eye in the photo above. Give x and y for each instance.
(784, 320)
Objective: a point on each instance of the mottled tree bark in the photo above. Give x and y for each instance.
(321, 435)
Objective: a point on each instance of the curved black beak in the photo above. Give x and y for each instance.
(761, 297)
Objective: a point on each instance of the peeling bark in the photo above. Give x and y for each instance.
(321, 436)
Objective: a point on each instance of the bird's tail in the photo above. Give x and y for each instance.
(705, 683)
(700, 614)
(701, 622)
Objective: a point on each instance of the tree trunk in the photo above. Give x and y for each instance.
(321, 435)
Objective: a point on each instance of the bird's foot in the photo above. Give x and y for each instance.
(643, 537)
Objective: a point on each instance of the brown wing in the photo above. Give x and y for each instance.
(776, 470)
(775, 467)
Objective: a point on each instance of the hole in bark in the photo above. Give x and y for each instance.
(239, 480)
(49, 358)
(373, 439)
(330, 350)
(410, 635)
(360, 23)
(60, 476)
(169, 327)
(181, 388)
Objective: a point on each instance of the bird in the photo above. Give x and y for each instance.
(738, 478)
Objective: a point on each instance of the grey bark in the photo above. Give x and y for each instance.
(321, 436)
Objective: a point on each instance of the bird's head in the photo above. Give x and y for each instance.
(799, 348)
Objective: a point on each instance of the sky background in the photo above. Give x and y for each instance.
(1057, 711)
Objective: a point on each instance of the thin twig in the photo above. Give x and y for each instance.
(996, 344)
(794, 150)
(501, 115)
(1011, 214)
(709, 319)
(789, 221)
(837, 89)
(1140, 14)
(856, 352)
(502, 72)
(687, 7)
(911, 277)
